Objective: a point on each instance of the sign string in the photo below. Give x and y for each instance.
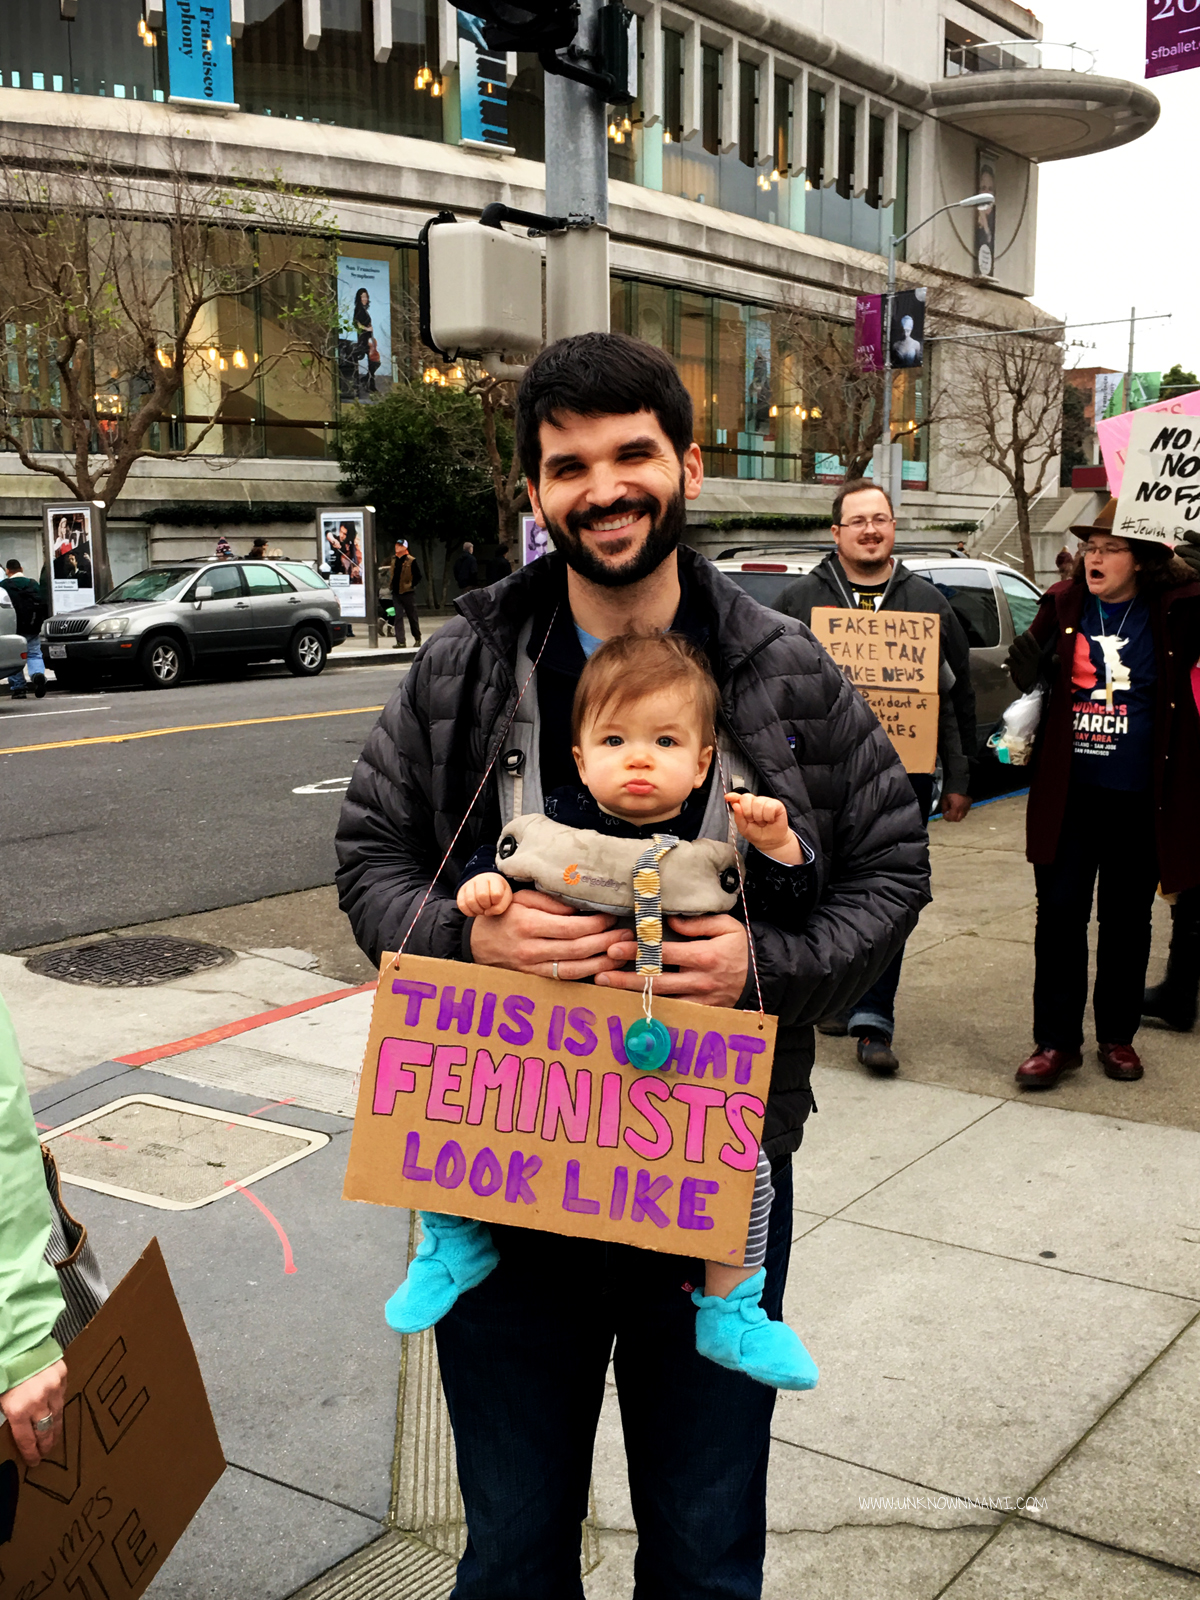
(648, 989)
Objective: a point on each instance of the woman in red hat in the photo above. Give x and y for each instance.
(1115, 786)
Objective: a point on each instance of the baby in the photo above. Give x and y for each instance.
(644, 735)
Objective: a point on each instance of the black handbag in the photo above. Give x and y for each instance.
(70, 1254)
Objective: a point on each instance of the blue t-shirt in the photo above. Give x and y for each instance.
(1112, 679)
(588, 641)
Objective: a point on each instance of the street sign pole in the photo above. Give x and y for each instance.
(577, 292)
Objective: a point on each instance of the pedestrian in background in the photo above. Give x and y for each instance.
(1114, 787)
(466, 568)
(258, 550)
(29, 605)
(861, 574)
(1065, 562)
(33, 1374)
(406, 574)
(224, 549)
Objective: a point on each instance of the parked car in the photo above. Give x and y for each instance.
(993, 602)
(167, 621)
(12, 643)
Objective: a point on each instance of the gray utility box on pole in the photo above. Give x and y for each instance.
(485, 289)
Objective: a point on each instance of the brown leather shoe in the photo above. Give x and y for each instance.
(1120, 1061)
(1046, 1066)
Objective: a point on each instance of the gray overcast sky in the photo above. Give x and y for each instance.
(1121, 229)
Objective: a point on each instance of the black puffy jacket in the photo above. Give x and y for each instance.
(809, 736)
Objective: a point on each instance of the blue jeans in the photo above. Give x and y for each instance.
(33, 660)
(875, 1012)
(523, 1360)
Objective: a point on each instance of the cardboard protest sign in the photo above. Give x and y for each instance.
(508, 1098)
(1160, 491)
(1113, 432)
(891, 658)
(137, 1454)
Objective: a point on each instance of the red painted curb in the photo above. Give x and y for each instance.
(230, 1030)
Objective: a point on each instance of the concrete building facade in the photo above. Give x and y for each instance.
(773, 148)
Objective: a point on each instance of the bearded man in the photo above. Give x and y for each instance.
(604, 430)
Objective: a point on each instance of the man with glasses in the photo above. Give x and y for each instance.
(860, 573)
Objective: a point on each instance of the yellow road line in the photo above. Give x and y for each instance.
(195, 727)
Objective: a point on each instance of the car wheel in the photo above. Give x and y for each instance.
(307, 652)
(161, 662)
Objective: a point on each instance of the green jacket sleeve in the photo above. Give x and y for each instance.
(30, 1299)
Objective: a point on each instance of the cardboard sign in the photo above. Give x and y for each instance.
(136, 1456)
(1160, 491)
(891, 658)
(508, 1098)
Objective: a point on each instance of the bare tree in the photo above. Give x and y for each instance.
(498, 398)
(1008, 409)
(128, 288)
(842, 406)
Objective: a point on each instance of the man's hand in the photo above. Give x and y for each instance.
(713, 963)
(955, 807)
(43, 1395)
(536, 931)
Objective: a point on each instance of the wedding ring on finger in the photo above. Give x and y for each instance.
(554, 970)
(44, 1424)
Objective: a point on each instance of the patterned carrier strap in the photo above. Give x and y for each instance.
(647, 902)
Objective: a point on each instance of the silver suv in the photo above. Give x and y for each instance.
(993, 602)
(167, 621)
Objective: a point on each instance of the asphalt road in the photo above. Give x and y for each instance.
(107, 834)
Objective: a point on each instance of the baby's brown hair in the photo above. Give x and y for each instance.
(630, 666)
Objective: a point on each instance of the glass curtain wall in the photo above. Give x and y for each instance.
(835, 213)
(753, 379)
(106, 50)
(340, 82)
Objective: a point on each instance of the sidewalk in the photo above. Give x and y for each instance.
(1002, 1293)
(356, 651)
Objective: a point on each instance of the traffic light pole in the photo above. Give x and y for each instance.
(577, 295)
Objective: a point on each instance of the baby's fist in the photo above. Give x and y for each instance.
(486, 895)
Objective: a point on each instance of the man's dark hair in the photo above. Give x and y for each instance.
(13, 566)
(600, 375)
(855, 486)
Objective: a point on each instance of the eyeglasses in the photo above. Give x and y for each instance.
(857, 524)
(1106, 549)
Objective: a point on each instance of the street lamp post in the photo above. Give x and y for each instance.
(978, 202)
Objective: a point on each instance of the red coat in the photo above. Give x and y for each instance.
(1175, 626)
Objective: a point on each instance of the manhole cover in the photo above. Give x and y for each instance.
(171, 1154)
(132, 963)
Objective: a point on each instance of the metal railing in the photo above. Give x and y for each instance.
(1052, 487)
(1018, 55)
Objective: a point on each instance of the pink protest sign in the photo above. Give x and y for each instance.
(1113, 432)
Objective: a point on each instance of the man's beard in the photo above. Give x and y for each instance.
(667, 525)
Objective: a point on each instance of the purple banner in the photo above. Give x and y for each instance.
(1172, 36)
(868, 332)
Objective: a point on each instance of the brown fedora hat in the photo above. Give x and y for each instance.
(1102, 524)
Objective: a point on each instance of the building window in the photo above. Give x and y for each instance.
(672, 54)
(710, 99)
(768, 386)
(106, 50)
(783, 125)
(747, 113)
(340, 82)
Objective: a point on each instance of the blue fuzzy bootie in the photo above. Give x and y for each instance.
(453, 1256)
(736, 1332)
